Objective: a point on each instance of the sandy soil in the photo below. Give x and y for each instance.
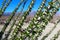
(48, 29)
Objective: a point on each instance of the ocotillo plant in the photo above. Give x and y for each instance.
(40, 25)
(9, 19)
(49, 32)
(28, 27)
(35, 27)
(39, 10)
(14, 21)
(3, 4)
(4, 8)
(22, 10)
(48, 18)
(7, 35)
(23, 18)
(45, 24)
(2, 11)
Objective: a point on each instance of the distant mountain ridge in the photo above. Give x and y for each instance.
(9, 13)
(32, 13)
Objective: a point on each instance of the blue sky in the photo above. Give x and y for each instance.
(14, 3)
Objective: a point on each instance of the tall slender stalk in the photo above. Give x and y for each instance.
(52, 29)
(9, 19)
(11, 27)
(37, 14)
(14, 21)
(47, 19)
(34, 18)
(4, 8)
(44, 23)
(3, 4)
(22, 20)
(43, 27)
(35, 27)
